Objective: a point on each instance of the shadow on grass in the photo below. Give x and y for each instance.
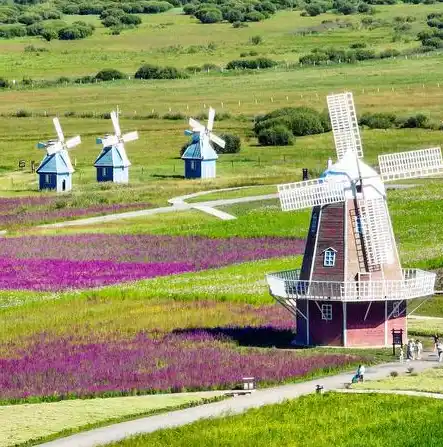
(259, 337)
(168, 176)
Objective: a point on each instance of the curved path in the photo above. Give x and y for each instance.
(179, 204)
(231, 406)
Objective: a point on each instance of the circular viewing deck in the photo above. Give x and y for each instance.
(288, 285)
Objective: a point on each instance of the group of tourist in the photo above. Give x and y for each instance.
(414, 348)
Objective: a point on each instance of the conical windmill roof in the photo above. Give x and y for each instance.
(347, 167)
(200, 149)
(57, 163)
(112, 156)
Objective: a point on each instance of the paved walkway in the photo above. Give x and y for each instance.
(401, 392)
(180, 204)
(236, 405)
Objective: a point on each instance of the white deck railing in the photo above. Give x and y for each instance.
(415, 283)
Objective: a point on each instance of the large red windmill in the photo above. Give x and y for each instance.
(351, 289)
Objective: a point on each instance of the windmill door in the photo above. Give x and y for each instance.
(64, 185)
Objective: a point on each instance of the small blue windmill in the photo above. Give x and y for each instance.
(200, 156)
(113, 164)
(55, 171)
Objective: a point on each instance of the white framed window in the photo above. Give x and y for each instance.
(314, 221)
(104, 172)
(326, 312)
(47, 178)
(192, 165)
(329, 257)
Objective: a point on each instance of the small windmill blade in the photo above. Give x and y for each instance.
(72, 142)
(188, 132)
(344, 124)
(411, 164)
(108, 140)
(58, 129)
(211, 118)
(52, 148)
(195, 125)
(307, 194)
(115, 123)
(376, 230)
(130, 136)
(217, 140)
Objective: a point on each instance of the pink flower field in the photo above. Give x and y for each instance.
(53, 263)
(87, 364)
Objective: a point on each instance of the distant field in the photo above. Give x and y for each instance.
(167, 39)
(339, 420)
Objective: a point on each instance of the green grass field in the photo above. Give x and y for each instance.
(428, 381)
(330, 419)
(57, 419)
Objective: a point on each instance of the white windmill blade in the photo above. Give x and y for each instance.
(376, 229)
(72, 142)
(310, 193)
(195, 125)
(130, 136)
(411, 164)
(344, 124)
(211, 118)
(115, 123)
(52, 148)
(108, 140)
(217, 140)
(58, 129)
(122, 151)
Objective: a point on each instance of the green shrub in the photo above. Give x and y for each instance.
(174, 116)
(419, 121)
(4, 83)
(71, 9)
(49, 34)
(239, 25)
(378, 120)
(10, 31)
(256, 40)
(278, 135)
(156, 7)
(209, 15)
(251, 64)
(313, 9)
(254, 16)
(131, 20)
(111, 21)
(154, 72)
(234, 15)
(109, 74)
(29, 18)
(299, 120)
(232, 146)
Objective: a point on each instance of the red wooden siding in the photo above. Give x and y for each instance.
(330, 234)
(323, 332)
(369, 332)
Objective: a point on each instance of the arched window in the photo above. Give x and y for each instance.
(329, 257)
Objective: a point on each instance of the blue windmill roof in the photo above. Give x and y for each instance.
(57, 163)
(112, 156)
(200, 149)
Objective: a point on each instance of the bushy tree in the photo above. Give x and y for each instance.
(29, 18)
(378, 120)
(131, 19)
(254, 16)
(155, 7)
(109, 74)
(232, 146)
(277, 135)
(234, 15)
(209, 15)
(149, 71)
(313, 9)
(4, 83)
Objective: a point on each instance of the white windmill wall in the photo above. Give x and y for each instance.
(208, 169)
(64, 182)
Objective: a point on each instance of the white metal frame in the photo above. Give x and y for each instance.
(411, 164)
(310, 193)
(329, 256)
(344, 124)
(376, 228)
(415, 283)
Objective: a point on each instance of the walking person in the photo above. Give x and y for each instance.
(435, 337)
(408, 350)
(418, 349)
(402, 355)
(412, 349)
(361, 372)
(440, 351)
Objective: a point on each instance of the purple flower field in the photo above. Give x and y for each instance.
(32, 210)
(148, 363)
(55, 275)
(91, 260)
